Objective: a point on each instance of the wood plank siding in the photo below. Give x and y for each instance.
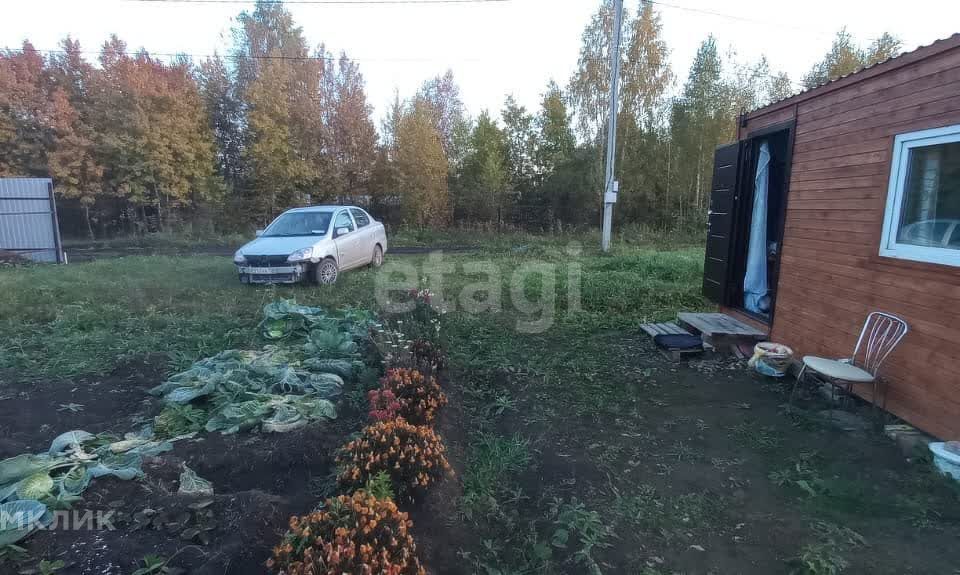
(831, 273)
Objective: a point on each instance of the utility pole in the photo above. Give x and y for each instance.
(611, 186)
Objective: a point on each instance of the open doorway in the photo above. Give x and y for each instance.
(759, 220)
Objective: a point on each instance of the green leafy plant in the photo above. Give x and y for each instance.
(821, 558)
(36, 486)
(380, 486)
(12, 554)
(803, 474)
(50, 567)
(20, 519)
(193, 484)
(826, 555)
(176, 420)
(491, 460)
(580, 529)
(344, 368)
(152, 565)
(502, 403)
(330, 344)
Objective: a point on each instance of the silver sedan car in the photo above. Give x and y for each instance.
(314, 243)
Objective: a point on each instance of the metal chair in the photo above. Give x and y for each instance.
(881, 333)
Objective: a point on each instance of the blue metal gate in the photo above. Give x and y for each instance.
(28, 219)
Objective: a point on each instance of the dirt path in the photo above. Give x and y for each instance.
(89, 252)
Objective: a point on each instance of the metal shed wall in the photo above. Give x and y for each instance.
(28, 219)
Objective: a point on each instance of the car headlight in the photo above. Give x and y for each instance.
(239, 258)
(301, 255)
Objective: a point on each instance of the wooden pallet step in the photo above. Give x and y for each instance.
(654, 329)
(718, 324)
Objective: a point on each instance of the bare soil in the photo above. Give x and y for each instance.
(670, 433)
(260, 480)
(673, 432)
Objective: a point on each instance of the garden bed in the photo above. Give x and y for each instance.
(573, 450)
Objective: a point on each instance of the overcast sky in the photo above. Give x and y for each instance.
(494, 48)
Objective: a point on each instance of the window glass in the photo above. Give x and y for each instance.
(360, 216)
(931, 197)
(343, 221)
(954, 241)
(296, 224)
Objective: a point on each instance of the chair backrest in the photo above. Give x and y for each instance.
(880, 335)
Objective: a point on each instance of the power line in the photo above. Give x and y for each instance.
(280, 57)
(736, 17)
(332, 2)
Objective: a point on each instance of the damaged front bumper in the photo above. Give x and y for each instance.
(287, 274)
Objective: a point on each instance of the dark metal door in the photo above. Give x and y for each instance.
(720, 222)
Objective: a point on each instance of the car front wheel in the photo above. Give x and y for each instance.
(325, 273)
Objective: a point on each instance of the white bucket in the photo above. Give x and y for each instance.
(946, 461)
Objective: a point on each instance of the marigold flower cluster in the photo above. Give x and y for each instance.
(413, 456)
(356, 534)
(419, 397)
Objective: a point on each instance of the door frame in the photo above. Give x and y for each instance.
(740, 233)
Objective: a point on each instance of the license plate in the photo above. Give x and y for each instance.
(260, 271)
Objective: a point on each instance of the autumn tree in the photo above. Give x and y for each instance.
(154, 139)
(24, 106)
(589, 87)
(779, 86)
(883, 48)
(422, 168)
(285, 143)
(280, 176)
(646, 73)
(440, 97)
(555, 138)
(353, 137)
(846, 57)
(73, 158)
(641, 138)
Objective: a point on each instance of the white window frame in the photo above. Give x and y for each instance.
(889, 247)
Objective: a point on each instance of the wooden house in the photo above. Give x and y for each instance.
(861, 212)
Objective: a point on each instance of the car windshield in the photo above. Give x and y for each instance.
(296, 224)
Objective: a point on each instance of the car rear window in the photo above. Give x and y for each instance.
(360, 216)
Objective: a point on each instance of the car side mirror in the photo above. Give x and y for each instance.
(258, 233)
(342, 232)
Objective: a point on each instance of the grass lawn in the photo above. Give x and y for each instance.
(578, 449)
